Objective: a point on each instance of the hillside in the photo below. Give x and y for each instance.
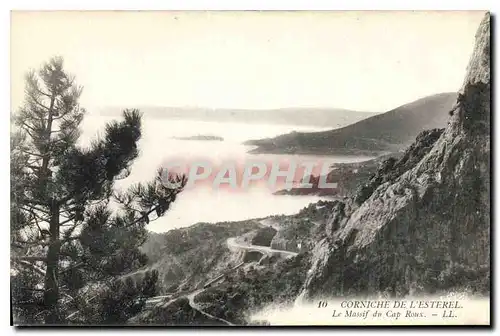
(187, 257)
(386, 132)
(422, 226)
(356, 178)
(348, 176)
(320, 117)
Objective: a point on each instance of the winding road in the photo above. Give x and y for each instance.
(197, 307)
(234, 244)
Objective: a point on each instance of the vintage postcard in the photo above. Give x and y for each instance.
(250, 168)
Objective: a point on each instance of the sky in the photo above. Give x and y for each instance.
(367, 61)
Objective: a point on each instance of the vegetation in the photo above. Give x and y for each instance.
(247, 292)
(177, 313)
(69, 247)
(188, 257)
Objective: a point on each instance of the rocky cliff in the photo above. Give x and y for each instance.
(425, 229)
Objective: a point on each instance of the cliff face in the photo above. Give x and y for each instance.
(427, 229)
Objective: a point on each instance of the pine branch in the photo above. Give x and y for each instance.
(67, 221)
(115, 254)
(63, 241)
(65, 200)
(78, 311)
(32, 266)
(32, 207)
(29, 133)
(32, 258)
(33, 154)
(144, 216)
(30, 160)
(28, 127)
(35, 100)
(38, 243)
(72, 267)
(37, 89)
(32, 289)
(33, 168)
(30, 202)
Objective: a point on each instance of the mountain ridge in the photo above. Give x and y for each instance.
(299, 116)
(379, 134)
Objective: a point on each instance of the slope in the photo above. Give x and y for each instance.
(427, 228)
(386, 132)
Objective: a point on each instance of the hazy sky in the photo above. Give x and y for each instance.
(371, 61)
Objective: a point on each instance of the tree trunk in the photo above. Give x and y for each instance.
(51, 294)
(51, 290)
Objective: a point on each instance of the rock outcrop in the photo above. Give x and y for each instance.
(427, 228)
(391, 168)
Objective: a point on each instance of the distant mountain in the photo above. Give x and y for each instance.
(386, 132)
(321, 117)
(201, 138)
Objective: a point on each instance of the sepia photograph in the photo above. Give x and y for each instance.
(250, 168)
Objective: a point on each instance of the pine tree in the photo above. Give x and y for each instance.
(67, 239)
